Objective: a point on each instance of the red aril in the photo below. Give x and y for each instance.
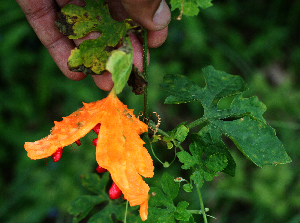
(114, 191)
(57, 155)
(95, 141)
(100, 169)
(96, 129)
(78, 142)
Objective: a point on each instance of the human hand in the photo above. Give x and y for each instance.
(154, 15)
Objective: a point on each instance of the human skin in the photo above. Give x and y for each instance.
(154, 15)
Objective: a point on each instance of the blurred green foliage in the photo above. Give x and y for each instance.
(255, 39)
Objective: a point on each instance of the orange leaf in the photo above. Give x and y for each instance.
(119, 148)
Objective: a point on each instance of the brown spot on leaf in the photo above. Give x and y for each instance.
(63, 26)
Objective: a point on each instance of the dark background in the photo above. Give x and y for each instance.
(258, 40)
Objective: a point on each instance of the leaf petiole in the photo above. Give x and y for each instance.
(196, 123)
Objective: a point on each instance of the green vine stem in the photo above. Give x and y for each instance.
(202, 205)
(126, 211)
(145, 64)
(153, 151)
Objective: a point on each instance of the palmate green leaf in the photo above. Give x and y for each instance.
(93, 183)
(243, 122)
(169, 213)
(190, 7)
(118, 210)
(218, 85)
(83, 205)
(255, 139)
(204, 169)
(188, 160)
(90, 56)
(212, 144)
(181, 212)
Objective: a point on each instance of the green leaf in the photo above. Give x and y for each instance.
(218, 85)
(197, 177)
(188, 160)
(190, 7)
(180, 133)
(216, 162)
(243, 122)
(93, 182)
(118, 210)
(119, 64)
(90, 56)
(159, 199)
(211, 142)
(169, 186)
(181, 212)
(187, 187)
(165, 198)
(256, 140)
(81, 206)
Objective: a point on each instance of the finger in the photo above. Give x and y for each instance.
(42, 14)
(156, 38)
(138, 52)
(152, 14)
(104, 81)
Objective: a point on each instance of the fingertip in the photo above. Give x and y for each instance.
(156, 38)
(162, 16)
(104, 81)
(74, 76)
(151, 14)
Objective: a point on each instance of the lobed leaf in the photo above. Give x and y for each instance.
(91, 55)
(111, 212)
(82, 205)
(243, 122)
(169, 186)
(190, 7)
(188, 160)
(93, 182)
(255, 139)
(181, 212)
(167, 213)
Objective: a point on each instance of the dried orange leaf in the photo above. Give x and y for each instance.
(119, 148)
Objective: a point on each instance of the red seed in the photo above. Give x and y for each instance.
(114, 191)
(96, 129)
(100, 169)
(95, 141)
(57, 155)
(78, 142)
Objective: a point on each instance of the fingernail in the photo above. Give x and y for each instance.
(162, 15)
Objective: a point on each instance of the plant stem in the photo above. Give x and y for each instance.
(145, 64)
(153, 151)
(196, 122)
(126, 211)
(202, 205)
(197, 211)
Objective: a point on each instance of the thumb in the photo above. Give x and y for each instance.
(152, 14)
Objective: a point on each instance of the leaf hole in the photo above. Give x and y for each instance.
(225, 103)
